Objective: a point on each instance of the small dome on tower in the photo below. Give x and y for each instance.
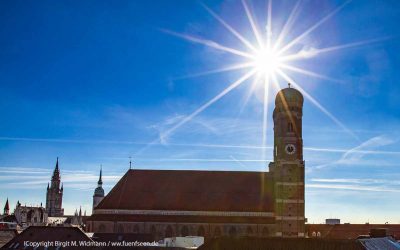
(289, 95)
(99, 192)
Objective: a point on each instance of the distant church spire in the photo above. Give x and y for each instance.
(100, 182)
(99, 191)
(7, 208)
(56, 173)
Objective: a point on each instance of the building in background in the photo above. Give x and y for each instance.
(30, 216)
(172, 203)
(332, 221)
(55, 194)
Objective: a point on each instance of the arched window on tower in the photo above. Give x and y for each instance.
(290, 127)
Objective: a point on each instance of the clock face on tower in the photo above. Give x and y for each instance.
(290, 149)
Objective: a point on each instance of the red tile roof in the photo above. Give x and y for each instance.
(187, 190)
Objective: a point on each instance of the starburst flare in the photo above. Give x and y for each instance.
(267, 59)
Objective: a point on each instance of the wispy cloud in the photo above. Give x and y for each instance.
(352, 187)
(355, 184)
(354, 155)
(354, 150)
(356, 181)
(70, 178)
(23, 170)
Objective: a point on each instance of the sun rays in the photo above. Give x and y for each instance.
(266, 59)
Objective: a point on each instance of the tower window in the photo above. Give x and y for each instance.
(290, 127)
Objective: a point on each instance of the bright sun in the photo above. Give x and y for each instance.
(268, 58)
(267, 61)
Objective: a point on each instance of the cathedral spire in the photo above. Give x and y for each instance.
(100, 182)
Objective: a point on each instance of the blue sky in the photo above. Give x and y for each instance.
(94, 82)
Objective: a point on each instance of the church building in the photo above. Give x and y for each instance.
(54, 195)
(168, 203)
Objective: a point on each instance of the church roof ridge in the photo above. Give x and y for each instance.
(191, 189)
(194, 170)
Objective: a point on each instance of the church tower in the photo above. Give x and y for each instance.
(6, 208)
(98, 192)
(288, 166)
(54, 195)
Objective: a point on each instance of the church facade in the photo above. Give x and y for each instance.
(168, 203)
(54, 194)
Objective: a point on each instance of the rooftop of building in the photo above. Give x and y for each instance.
(189, 190)
(44, 234)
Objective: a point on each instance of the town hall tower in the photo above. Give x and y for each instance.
(54, 195)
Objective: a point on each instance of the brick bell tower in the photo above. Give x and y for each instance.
(288, 166)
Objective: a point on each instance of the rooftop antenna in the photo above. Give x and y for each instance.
(130, 162)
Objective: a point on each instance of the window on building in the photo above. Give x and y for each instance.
(232, 231)
(153, 230)
(168, 232)
(290, 127)
(201, 231)
(136, 229)
(249, 230)
(184, 231)
(217, 232)
(120, 229)
(265, 232)
(102, 228)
